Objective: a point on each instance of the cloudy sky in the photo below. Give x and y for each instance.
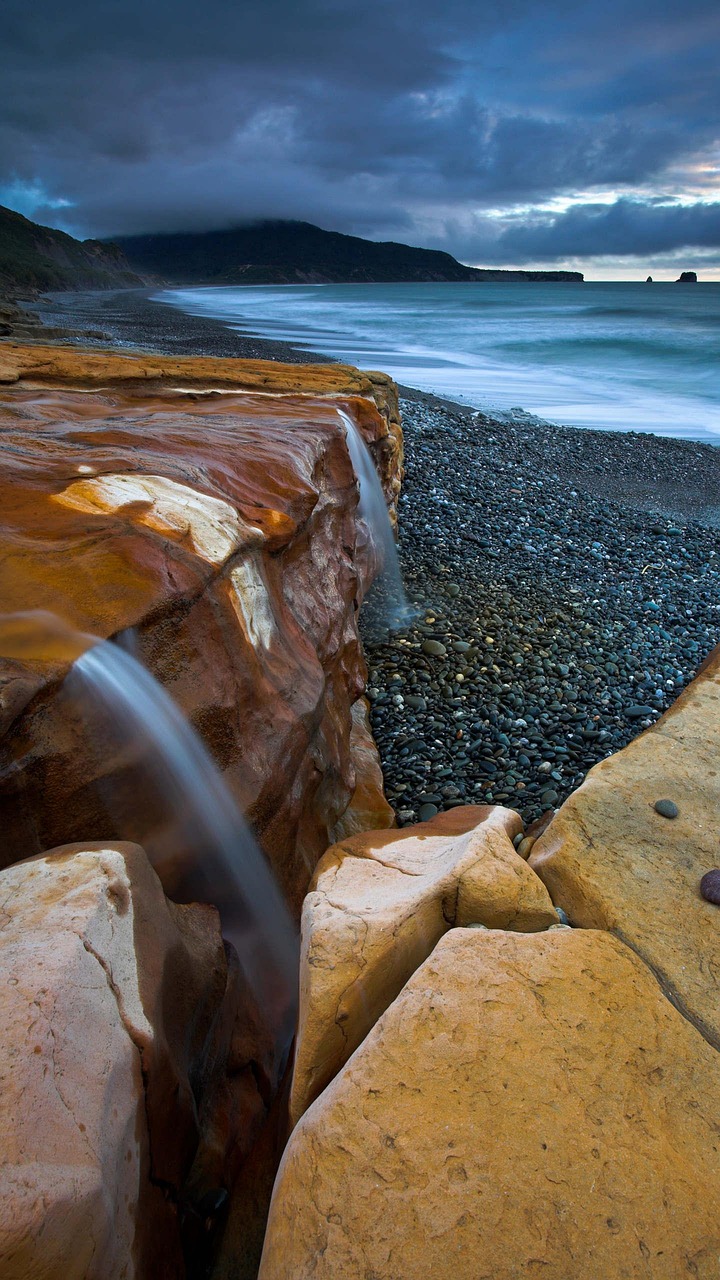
(510, 132)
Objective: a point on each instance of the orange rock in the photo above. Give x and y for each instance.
(613, 862)
(209, 506)
(109, 996)
(378, 904)
(368, 810)
(528, 1105)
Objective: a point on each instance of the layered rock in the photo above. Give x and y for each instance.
(117, 1013)
(207, 507)
(613, 861)
(529, 1104)
(378, 904)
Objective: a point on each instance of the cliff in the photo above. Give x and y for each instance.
(289, 252)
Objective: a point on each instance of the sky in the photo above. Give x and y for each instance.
(517, 133)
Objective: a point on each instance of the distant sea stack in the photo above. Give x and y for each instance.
(287, 252)
(649, 280)
(687, 277)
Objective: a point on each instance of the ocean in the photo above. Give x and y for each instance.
(623, 357)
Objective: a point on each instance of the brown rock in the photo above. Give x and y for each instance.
(377, 906)
(368, 810)
(612, 862)
(528, 1105)
(110, 996)
(209, 507)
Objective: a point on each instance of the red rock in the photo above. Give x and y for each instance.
(220, 528)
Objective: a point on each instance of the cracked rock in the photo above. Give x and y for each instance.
(378, 904)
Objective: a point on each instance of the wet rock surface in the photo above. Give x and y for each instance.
(558, 617)
(207, 511)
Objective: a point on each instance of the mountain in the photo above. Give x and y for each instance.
(279, 252)
(34, 257)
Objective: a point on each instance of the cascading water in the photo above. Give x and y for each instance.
(222, 864)
(388, 604)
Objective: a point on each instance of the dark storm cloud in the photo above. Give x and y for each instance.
(384, 119)
(625, 227)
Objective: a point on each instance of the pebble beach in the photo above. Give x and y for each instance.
(564, 582)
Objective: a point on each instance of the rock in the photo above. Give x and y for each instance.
(368, 809)
(227, 546)
(614, 863)
(666, 808)
(427, 812)
(111, 998)
(687, 277)
(437, 1152)
(378, 904)
(434, 648)
(649, 280)
(710, 886)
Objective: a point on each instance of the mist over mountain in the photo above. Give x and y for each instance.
(291, 252)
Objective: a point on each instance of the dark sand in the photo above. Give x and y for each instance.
(571, 576)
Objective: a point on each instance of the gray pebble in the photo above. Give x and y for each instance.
(666, 808)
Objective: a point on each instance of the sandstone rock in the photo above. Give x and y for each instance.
(613, 862)
(368, 810)
(109, 996)
(528, 1105)
(378, 904)
(208, 507)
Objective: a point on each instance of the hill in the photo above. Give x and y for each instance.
(280, 252)
(34, 257)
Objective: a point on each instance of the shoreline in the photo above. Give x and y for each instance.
(568, 581)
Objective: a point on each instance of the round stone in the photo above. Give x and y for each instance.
(666, 808)
(549, 798)
(434, 648)
(710, 886)
(427, 811)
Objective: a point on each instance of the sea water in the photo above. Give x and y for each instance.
(624, 357)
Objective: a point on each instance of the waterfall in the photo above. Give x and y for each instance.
(126, 706)
(387, 603)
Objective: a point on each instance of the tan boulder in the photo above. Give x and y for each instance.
(377, 906)
(613, 862)
(109, 998)
(530, 1105)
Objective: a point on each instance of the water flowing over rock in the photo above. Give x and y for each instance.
(206, 509)
(379, 903)
(529, 1104)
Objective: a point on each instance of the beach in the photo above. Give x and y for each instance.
(565, 581)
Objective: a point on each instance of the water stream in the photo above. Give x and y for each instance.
(122, 704)
(386, 606)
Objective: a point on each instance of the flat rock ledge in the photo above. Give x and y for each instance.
(613, 861)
